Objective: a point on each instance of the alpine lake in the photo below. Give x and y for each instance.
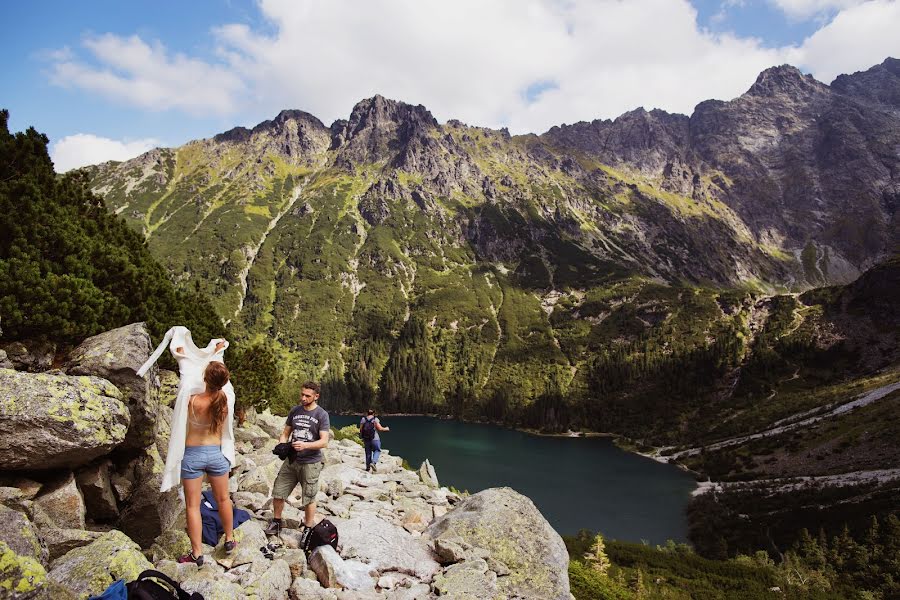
(577, 483)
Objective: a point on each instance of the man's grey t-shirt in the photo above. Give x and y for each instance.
(307, 425)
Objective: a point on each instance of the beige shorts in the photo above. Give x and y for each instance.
(290, 474)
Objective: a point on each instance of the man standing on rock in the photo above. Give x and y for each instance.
(306, 428)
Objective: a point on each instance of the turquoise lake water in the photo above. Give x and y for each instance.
(577, 483)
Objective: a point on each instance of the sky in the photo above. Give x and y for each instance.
(108, 80)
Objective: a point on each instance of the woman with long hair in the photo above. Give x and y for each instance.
(202, 431)
(206, 417)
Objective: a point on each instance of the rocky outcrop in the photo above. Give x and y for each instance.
(90, 569)
(50, 421)
(116, 356)
(32, 356)
(504, 530)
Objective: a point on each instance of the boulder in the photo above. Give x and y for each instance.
(515, 535)
(15, 498)
(250, 537)
(253, 434)
(251, 501)
(427, 474)
(386, 547)
(170, 545)
(30, 356)
(89, 570)
(60, 541)
(5, 363)
(168, 387)
(95, 486)
(260, 480)
(273, 584)
(62, 502)
(20, 535)
(334, 571)
(116, 355)
(271, 424)
(469, 579)
(211, 586)
(51, 421)
(307, 589)
(148, 513)
(21, 576)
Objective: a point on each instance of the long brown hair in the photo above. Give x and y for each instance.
(216, 376)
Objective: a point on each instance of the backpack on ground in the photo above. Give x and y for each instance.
(324, 533)
(149, 585)
(368, 429)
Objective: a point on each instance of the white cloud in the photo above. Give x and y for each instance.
(82, 149)
(474, 60)
(856, 39)
(144, 75)
(807, 9)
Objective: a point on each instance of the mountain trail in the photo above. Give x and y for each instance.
(796, 421)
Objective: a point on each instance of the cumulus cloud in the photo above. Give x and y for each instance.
(807, 9)
(525, 64)
(82, 149)
(855, 39)
(145, 75)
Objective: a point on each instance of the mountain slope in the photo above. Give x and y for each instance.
(515, 269)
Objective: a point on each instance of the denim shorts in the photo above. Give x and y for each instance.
(203, 459)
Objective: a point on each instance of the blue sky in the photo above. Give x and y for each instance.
(108, 80)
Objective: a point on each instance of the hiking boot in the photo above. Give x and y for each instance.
(230, 546)
(274, 528)
(374, 468)
(190, 558)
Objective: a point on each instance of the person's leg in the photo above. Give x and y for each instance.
(367, 444)
(284, 484)
(219, 485)
(309, 477)
(192, 490)
(376, 451)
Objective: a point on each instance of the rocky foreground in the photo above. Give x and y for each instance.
(80, 506)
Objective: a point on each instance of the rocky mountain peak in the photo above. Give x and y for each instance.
(379, 128)
(878, 85)
(784, 79)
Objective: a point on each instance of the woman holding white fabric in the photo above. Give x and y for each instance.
(202, 437)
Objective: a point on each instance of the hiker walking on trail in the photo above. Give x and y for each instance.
(369, 426)
(306, 429)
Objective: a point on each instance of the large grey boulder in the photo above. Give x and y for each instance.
(469, 579)
(49, 421)
(61, 501)
(427, 474)
(95, 486)
(273, 584)
(116, 355)
(30, 356)
(506, 529)
(60, 541)
(386, 547)
(271, 424)
(20, 535)
(333, 571)
(308, 589)
(89, 570)
(148, 512)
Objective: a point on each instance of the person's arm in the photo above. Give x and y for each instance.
(320, 443)
(379, 427)
(285, 434)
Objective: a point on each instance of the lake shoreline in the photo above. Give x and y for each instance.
(621, 441)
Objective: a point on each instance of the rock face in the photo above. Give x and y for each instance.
(89, 570)
(49, 421)
(20, 536)
(507, 530)
(116, 355)
(62, 502)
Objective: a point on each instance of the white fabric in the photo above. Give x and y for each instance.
(191, 365)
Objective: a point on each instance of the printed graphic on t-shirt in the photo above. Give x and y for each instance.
(306, 428)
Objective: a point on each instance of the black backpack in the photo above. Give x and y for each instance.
(368, 429)
(325, 533)
(145, 588)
